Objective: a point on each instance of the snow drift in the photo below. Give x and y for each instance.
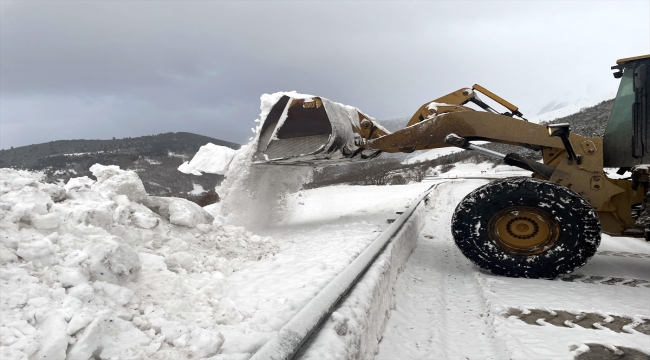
(101, 269)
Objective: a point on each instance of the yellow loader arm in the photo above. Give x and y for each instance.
(452, 102)
(419, 130)
(313, 131)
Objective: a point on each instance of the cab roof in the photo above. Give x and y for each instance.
(626, 60)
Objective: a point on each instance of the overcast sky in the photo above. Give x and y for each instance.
(96, 70)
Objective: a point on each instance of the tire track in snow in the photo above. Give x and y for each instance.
(624, 254)
(582, 320)
(604, 280)
(439, 312)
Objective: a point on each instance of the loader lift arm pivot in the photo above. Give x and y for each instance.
(455, 100)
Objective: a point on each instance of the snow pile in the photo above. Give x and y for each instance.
(100, 269)
(255, 196)
(111, 178)
(178, 211)
(210, 158)
(357, 323)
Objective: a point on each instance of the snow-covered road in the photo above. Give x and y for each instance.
(439, 305)
(447, 309)
(320, 241)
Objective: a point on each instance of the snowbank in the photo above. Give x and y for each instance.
(101, 269)
(354, 329)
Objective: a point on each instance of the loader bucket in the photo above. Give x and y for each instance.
(310, 131)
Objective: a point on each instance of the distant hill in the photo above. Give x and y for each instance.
(565, 107)
(155, 158)
(590, 121)
(393, 125)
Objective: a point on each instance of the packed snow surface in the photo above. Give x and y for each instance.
(357, 322)
(445, 308)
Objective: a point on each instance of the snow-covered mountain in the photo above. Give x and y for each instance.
(556, 110)
(427, 155)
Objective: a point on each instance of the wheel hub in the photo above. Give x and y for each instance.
(523, 230)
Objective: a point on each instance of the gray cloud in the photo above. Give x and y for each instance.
(117, 68)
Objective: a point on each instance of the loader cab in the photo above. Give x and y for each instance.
(627, 136)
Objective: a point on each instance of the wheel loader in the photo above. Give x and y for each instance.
(541, 226)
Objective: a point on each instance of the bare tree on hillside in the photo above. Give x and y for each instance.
(419, 172)
(378, 172)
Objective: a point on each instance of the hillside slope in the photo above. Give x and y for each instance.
(155, 158)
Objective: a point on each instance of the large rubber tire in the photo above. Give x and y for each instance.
(575, 228)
